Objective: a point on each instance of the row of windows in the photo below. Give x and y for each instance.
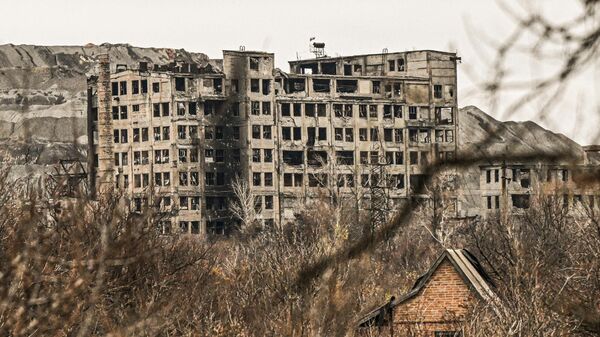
(137, 87)
(183, 132)
(343, 180)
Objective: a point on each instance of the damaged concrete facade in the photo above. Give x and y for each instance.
(181, 133)
(511, 188)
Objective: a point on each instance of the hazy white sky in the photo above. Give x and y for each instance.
(346, 26)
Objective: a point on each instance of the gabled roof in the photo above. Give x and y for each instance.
(467, 266)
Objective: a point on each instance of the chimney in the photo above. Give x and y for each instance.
(105, 128)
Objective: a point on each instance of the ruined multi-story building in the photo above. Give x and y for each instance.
(507, 188)
(176, 136)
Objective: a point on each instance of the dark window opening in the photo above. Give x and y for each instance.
(321, 85)
(311, 68)
(345, 157)
(347, 69)
(293, 157)
(296, 85)
(266, 87)
(135, 87)
(520, 201)
(254, 63)
(254, 85)
(317, 158)
(144, 86)
(179, 83)
(347, 86)
(329, 68)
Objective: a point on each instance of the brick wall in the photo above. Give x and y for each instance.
(440, 306)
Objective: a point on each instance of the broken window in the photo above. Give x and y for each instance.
(255, 108)
(115, 88)
(182, 155)
(123, 110)
(357, 68)
(135, 87)
(424, 136)
(285, 109)
(156, 87)
(362, 134)
(236, 132)
(266, 108)
(347, 69)
(397, 89)
(209, 132)
(165, 109)
(520, 201)
(449, 136)
(387, 111)
(362, 111)
(321, 110)
(373, 111)
(293, 157)
(346, 86)
(374, 134)
(256, 131)
(124, 137)
(311, 135)
(166, 133)
(268, 179)
(311, 68)
(412, 112)
(339, 134)
(144, 86)
(192, 108)
(235, 86)
(180, 83)
(218, 84)
(156, 109)
(266, 131)
(255, 85)
(296, 85)
(322, 133)
(338, 110)
(374, 157)
(349, 134)
(219, 156)
(254, 63)
(413, 157)
(180, 109)
(400, 65)
(388, 135)
(397, 111)
(376, 87)
(266, 87)
(316, 158)
(297, 133)
(347, 110)
(183, 178)
(268, 155)
(181, 132)
(144, 134)
(398, 137)
(444, 115)
(321, 85)
(287, 179)
(193, 131)
(135, 108)
(437, 91)
(392, 65)
(413, 135)
(297, 109)
(123, 88)
(345, 157)
(309, 109)
(286, 133)
(364, 157)
(329, 68)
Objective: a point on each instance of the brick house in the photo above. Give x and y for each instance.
(438, 303)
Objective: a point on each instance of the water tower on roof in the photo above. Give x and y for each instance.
(317, 48)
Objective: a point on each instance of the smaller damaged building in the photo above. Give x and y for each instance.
(438, 303)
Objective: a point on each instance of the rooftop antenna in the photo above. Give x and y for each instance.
(317, 48)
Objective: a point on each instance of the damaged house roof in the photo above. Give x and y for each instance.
(467, 266)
